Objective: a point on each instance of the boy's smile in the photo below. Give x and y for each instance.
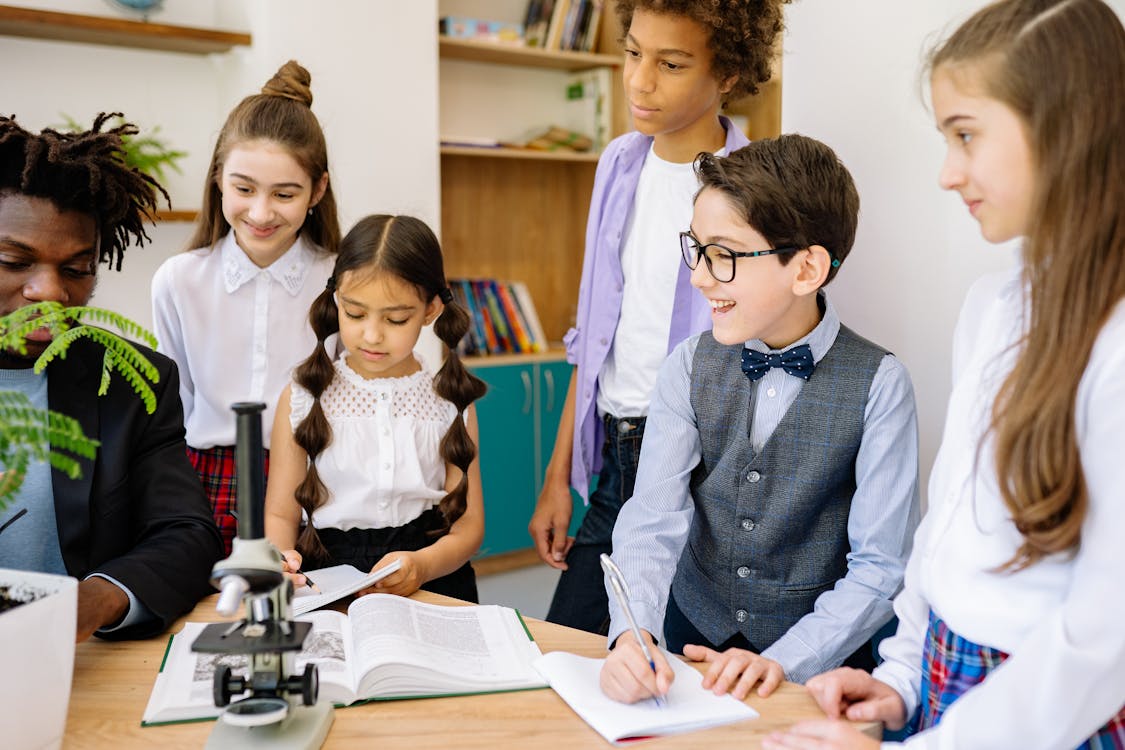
(765, 300)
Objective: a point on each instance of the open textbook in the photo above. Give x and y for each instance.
(336, 583)
(687, 706)
(385, 647)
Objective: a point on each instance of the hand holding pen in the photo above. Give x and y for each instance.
(633, 671)
(291, 559)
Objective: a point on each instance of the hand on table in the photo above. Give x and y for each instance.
(736, 671)
(626, 675)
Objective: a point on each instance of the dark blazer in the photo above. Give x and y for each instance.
(138, 513)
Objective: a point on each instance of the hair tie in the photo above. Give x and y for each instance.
(330, 285)
(446, 295)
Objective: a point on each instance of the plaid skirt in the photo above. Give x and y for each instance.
(215, 467)
(951, 665)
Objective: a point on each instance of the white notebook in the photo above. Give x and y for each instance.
(335, 583)
(688, 705)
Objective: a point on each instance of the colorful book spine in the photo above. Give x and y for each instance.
(512, 314)
(527, 307)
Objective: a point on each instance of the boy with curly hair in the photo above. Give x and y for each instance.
(683, 59)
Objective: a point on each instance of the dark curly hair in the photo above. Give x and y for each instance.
(83, 172)
(743, 34)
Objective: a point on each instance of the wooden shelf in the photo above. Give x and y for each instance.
(176, 215)
(520, 153)
(115, 32)
(511, 54)
(556, 353)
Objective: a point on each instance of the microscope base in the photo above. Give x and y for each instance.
(304, 728)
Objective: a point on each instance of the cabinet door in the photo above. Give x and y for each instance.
(554, 379)
(506, 418)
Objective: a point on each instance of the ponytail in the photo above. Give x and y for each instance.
(314, 433)
(455, 384)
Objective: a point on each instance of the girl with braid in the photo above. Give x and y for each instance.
(231, 311)
(374, 458)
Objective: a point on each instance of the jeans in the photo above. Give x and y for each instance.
(580, 599)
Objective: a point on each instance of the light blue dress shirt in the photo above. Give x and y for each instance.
(653, 525)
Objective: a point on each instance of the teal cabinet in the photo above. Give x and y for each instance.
(518, 419)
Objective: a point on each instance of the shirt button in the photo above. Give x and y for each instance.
(604, 342)
(386, 464)
(771, 392)
(741, 615)
(743, 572)
(747, 524)
(386, 431)
(753, 477)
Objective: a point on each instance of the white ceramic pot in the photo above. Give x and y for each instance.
(37, 654)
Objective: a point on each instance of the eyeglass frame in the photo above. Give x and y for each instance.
(701, 252)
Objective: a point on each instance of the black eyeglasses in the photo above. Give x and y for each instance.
(720, 260)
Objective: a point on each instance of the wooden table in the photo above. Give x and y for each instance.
(112, 681)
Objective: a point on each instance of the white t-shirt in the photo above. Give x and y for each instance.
(383, 466)
(650, 263)
(235, 331)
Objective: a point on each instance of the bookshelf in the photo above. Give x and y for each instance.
(76, 27)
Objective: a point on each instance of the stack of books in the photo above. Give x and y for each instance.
(504, 320)
(563, 24)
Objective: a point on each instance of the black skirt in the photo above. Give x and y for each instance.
(365, 547)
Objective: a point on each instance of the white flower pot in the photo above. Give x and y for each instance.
(37, 653)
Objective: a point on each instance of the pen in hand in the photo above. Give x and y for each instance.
(621, 593)
(309, 581)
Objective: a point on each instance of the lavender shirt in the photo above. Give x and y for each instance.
(599, 296)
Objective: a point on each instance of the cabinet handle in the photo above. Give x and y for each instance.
(550, 378)
(526, 392)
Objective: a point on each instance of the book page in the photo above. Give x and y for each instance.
(687, 706)
(335, 583)
(408, 647)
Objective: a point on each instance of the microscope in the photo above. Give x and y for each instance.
(280, 709)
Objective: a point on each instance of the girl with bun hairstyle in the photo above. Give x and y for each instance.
(232, 311)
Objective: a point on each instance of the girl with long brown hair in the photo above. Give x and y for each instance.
(231, 311)
(374, 456)
(1012, 621)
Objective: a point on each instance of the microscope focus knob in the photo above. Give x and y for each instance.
(225, 686)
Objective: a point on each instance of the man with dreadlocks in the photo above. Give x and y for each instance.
(135, 528)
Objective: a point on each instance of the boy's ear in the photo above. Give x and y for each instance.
(812, 267)
(726, 86)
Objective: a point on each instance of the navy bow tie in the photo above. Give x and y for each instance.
(797, 361)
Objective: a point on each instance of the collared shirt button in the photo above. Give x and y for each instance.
(743, 572)
(604, 342)
(771, 392)
(753, 477)
(386, 464)
(741, 615)
(748, 524)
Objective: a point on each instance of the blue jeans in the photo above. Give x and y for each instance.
(580, 599)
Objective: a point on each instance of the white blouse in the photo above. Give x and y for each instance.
(1062, 620)
(383, 467)
(235, 331)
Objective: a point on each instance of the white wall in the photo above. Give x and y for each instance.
(851, 79)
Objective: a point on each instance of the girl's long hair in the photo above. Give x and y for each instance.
(281, 114)
(1060, 65)
(405, 247)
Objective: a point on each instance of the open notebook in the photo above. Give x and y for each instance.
(687, 706)
(336, 583)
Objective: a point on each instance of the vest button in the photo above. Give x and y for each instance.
(743, 572)
(741, 615)
(753, 477)
(748, 524)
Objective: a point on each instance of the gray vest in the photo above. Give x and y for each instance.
(770, 531)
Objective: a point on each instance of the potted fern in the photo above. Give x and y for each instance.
(40, 603)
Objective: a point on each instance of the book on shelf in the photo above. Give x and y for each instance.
(498, 32)
(335, 583)
(503, 319)
(386, 647)
(687, 706)
(536, 20)
(563, 24)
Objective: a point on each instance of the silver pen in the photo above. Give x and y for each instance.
(621, 591)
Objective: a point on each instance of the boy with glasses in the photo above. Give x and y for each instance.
(777, 490)
(683, 59)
